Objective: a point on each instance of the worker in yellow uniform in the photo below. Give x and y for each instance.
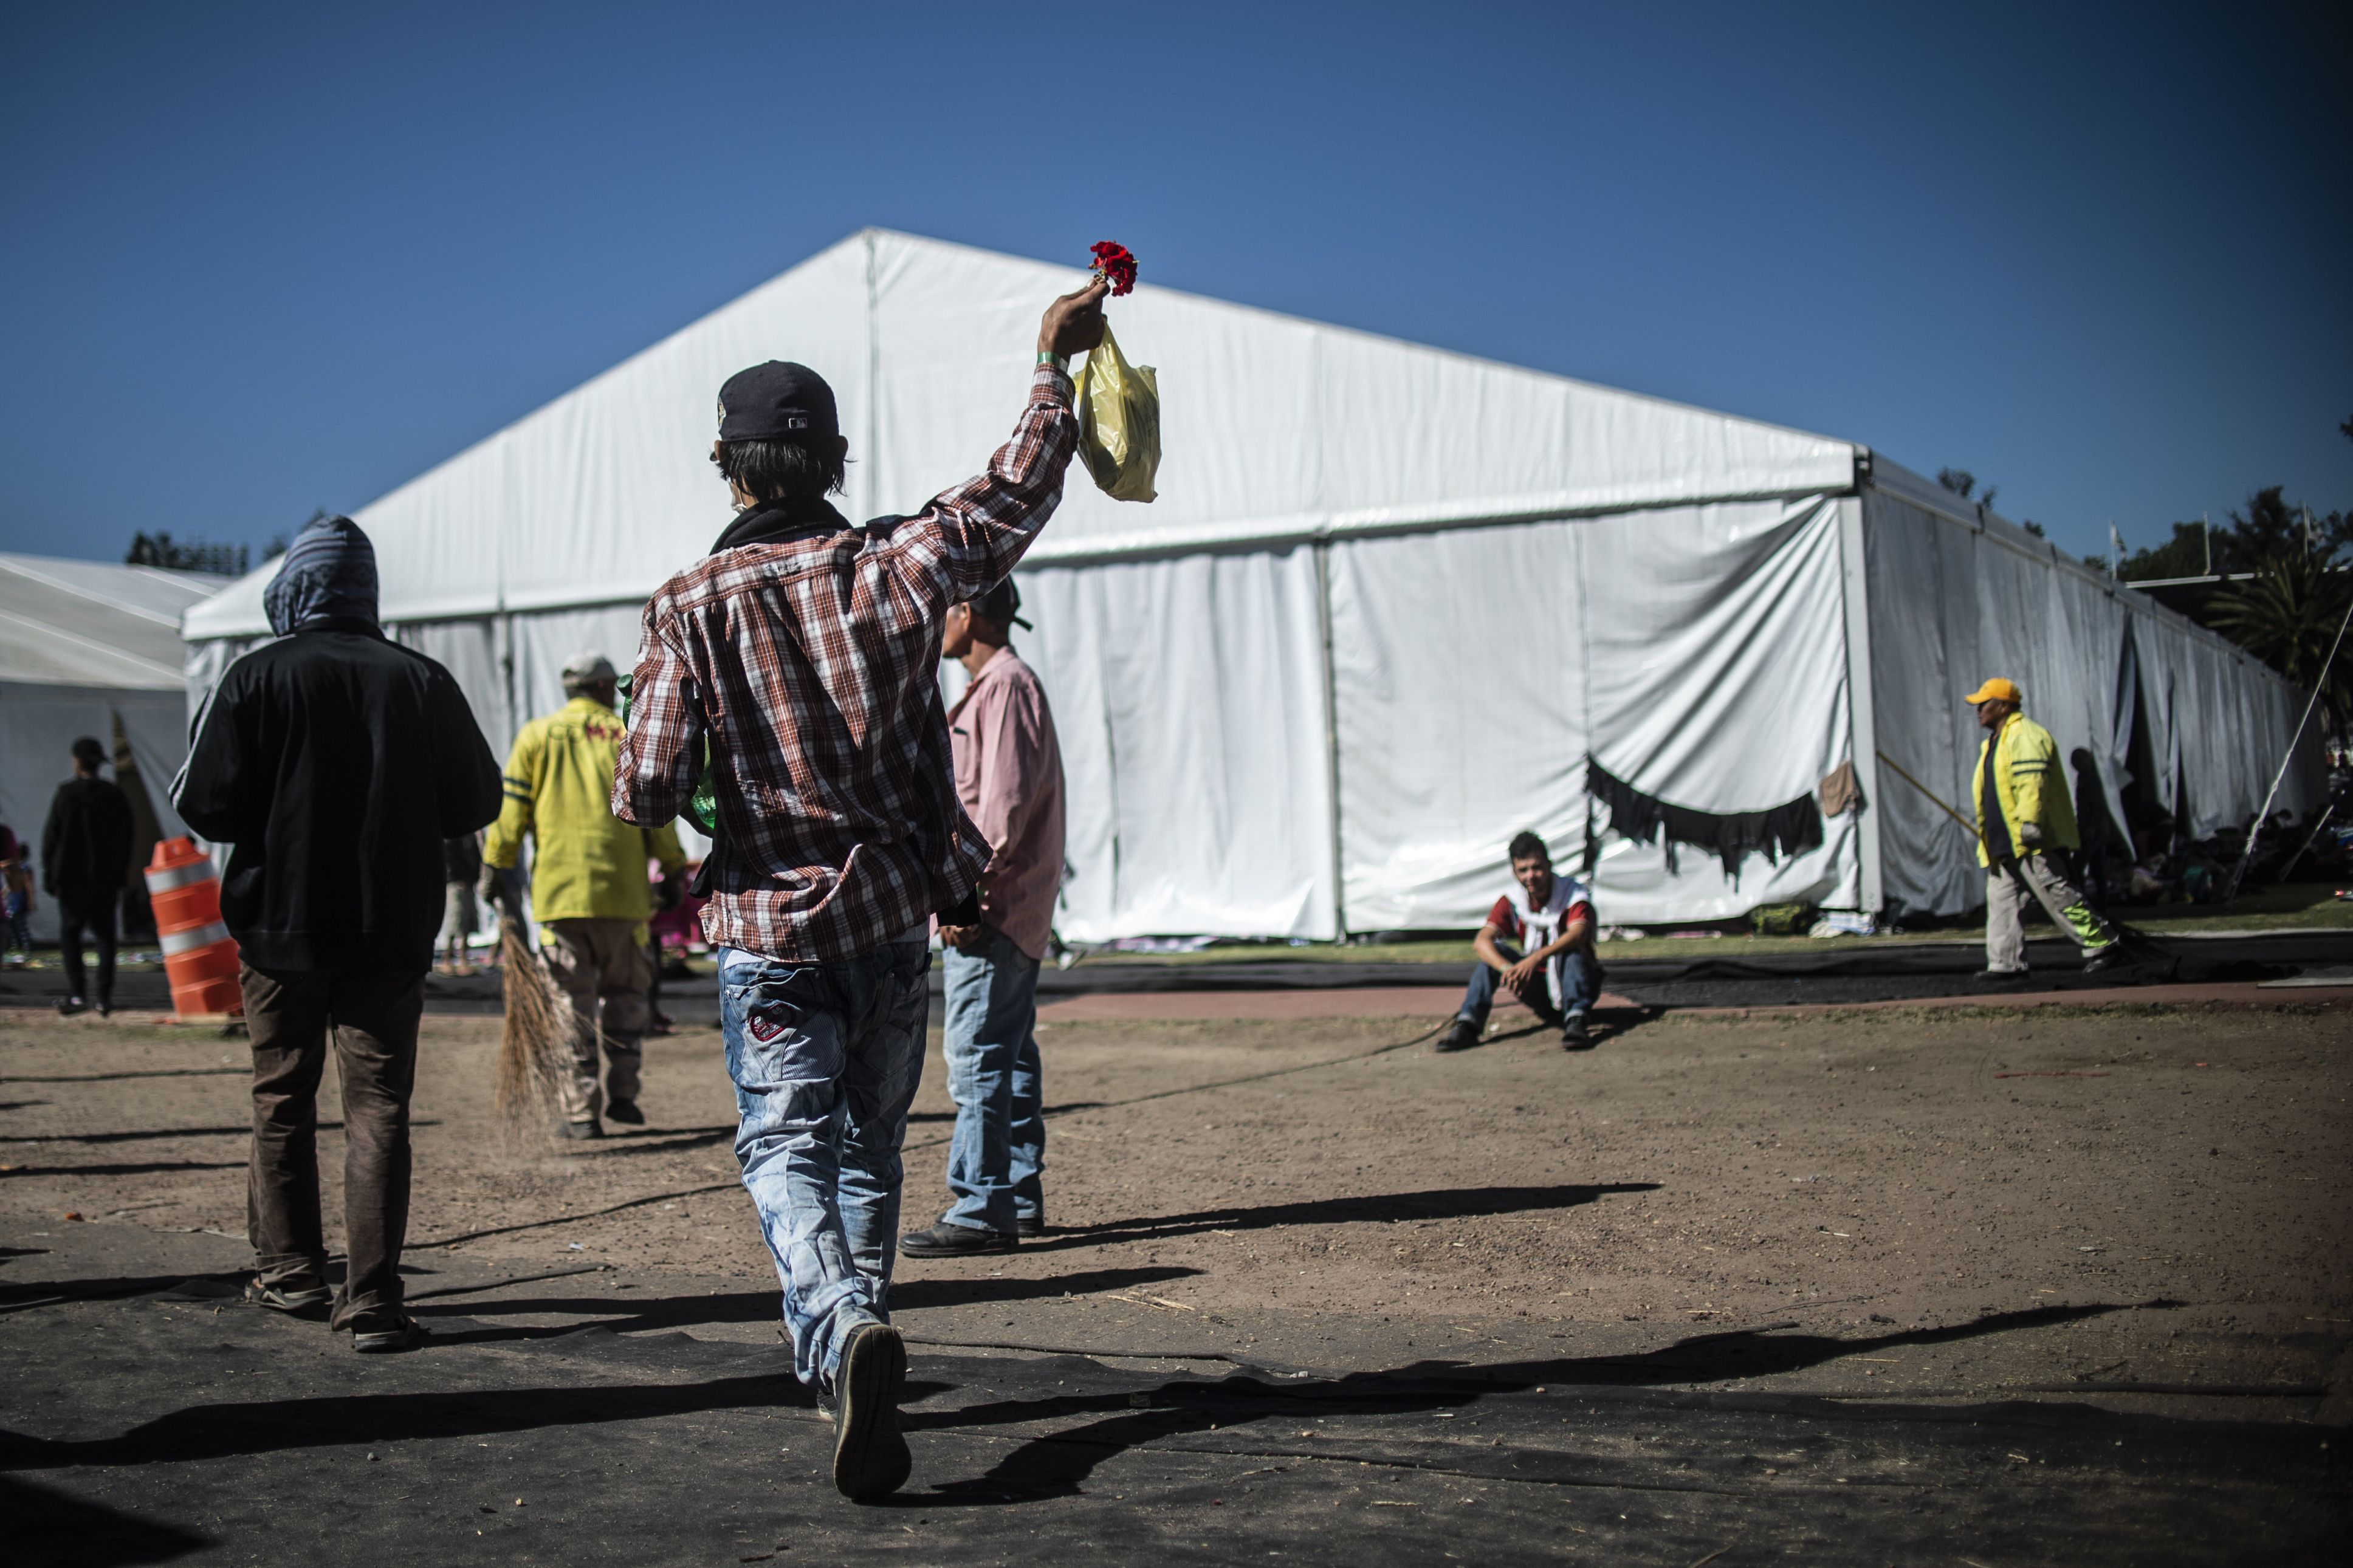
(589, 889)
(2024, 819)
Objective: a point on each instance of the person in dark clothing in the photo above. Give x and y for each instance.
(85, 857)
(2091, 825)
(335, 762)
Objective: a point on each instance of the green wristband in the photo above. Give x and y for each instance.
(1060, 362)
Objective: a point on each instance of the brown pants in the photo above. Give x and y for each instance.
(603, 967)
(373, 1021)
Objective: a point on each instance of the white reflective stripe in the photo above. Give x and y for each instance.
(179, 941)
(172, 877)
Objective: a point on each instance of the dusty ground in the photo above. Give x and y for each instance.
(1299, 1192)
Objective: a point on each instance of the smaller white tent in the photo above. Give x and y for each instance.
(88, 649)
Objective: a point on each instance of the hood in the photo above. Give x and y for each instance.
(328, 574)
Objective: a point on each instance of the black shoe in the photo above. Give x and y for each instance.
(387, 1335)
(310, 1303)
(869, 1453)
(1573, 1033)
(2100, 958)
(945, 1241)
(626, 1112)
(1030, 1225)
(69, 1005)
(1461, 1036)
(1997, 976)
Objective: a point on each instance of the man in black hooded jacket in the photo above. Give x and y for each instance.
(335, 762)
(85, 859)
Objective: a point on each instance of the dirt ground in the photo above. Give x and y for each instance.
(1333, 1192)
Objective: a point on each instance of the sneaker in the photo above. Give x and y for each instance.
(69, 1005)
(312, 1303)
(580, 1129)
(1574, 1036)
(1461, 1036)
(388, 1336)
(869, 1453)
(945, 1241)
(1030, 1225)
(2101, 957)
(626, 1112)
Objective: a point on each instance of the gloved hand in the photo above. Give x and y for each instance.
(2029, 836)
(495, 891)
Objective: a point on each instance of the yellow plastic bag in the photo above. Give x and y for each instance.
(1119, 422)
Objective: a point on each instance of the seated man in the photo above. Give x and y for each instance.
(1540, 947)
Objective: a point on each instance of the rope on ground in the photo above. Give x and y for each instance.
(935, 1142)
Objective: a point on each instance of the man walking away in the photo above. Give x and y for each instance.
(85, 859)
(334, 763)
(461, 867)
(1537, 946)
(803, 655)
(1009, 776)
(2025, 824)
(588, 888)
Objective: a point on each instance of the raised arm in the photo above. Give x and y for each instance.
(982, 528)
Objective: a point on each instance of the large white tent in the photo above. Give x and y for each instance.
(1393, 605)
(88, 648)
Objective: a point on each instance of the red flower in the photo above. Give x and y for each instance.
(1113, 262)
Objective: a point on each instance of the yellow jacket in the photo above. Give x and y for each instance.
(588, 864)
(2028, 784)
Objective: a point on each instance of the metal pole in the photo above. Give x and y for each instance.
(2246, 853)
(1331, 733)
(1967, 826)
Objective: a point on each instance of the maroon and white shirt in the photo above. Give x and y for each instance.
(1530, 926)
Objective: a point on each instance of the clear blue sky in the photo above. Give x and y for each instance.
(262, 260)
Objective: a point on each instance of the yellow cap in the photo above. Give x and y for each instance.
(1995, 689)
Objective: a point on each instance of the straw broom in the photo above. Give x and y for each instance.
(535, 1047)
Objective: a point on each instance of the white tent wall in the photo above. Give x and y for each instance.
(1957, 596)
(1189, 697)
(1698, 653)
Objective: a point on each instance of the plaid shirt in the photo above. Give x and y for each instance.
(811, 666)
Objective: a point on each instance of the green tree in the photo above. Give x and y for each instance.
(2288, 614)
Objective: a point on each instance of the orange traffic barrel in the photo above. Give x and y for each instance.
(199, 955)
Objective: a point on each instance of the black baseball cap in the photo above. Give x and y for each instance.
(1001, 604)
(778, 401)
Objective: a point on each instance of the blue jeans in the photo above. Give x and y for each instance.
(826, 1058)
(1578, 972)
(999, 1149)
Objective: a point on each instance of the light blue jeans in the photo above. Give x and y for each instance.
(826, 1058)
(997, 1157)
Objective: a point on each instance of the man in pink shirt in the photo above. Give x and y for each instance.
(1009, 776)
